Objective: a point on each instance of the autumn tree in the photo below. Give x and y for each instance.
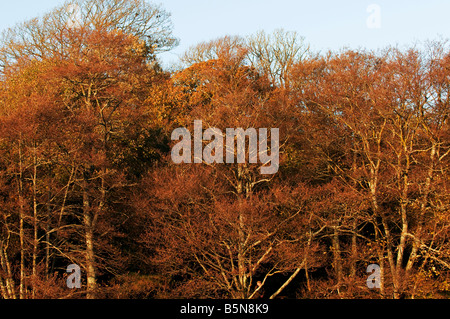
(43, 37)
(226, 228)
(91, 86)
(372, 105)
(275, 54)
(358, 143)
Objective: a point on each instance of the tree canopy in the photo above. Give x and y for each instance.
(86, 176)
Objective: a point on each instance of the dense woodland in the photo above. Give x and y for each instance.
(86, 176)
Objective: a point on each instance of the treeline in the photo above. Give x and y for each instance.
(86, 176)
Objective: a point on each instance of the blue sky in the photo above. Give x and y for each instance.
(325, 24)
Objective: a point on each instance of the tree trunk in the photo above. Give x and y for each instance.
(89, 238)
(337, 255)
(423, 205)
(6, 266)
(47, 235)
(354, 251)
(21, 226)
(287, 282)
(35, 223)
